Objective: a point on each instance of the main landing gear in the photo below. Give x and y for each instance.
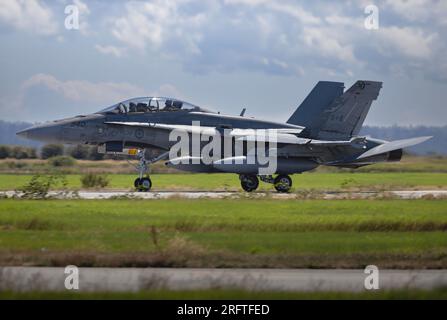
(250, 182)
(144, 183)
(283, 183)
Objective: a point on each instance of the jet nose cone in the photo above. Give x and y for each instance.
(43, 133)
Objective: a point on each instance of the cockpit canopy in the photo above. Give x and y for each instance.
(151, 104)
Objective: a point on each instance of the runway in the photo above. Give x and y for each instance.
(134, 279)
(328, 195)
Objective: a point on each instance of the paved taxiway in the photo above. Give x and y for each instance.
(90, 195)
(135, 279)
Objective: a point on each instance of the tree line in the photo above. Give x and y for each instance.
(80, 152)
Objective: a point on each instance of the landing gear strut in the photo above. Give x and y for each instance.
(144, 183)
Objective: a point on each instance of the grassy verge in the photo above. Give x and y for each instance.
(225, 233)
(230, 182)
(440, 294)
(30, 166)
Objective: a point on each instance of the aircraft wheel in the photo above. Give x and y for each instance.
(283, 183)
(249, 182)
(137, 183)
(143, 185)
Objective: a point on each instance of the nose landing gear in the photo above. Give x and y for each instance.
(144, 183)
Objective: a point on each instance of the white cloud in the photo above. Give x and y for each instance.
(295, 11)
(135, 29)
(29, 15)
(82, 6)
(79, 96)
(112, 50)
(227, 35)
(419, 10)
(84, 11)
(338, 21)
(153, 24)
(409, 42)
(292, 9)
(168, 90)
(98, 92)
(84, 91)
(271, 36)
(325, 42)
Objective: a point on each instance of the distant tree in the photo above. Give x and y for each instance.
(94, 154)
(17, 152)
(32, 153)
(62, 161)
(51, 150)
(79, 151)
(5, 152)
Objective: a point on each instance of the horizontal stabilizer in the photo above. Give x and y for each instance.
(393, 145)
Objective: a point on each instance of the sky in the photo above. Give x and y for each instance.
(225, 55)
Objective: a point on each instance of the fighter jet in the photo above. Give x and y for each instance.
(324, 130)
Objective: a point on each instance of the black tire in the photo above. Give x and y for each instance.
(249, 182)
(283, 183)
(145, 184)
(137, 183)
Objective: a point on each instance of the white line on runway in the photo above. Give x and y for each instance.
(134, 279)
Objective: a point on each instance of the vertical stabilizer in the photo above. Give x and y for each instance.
(319, 99)
(347, 113)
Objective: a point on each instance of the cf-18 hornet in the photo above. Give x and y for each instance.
(324, 130)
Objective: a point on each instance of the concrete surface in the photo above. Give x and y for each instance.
(135, 279)
(222, 194)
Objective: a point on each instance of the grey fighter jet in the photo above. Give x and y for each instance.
(324, 130)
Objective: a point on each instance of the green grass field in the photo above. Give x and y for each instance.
(230, 182)
(245, 232)
(409, 163)
(436, 294)
(224, 233)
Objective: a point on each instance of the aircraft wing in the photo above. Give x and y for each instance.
(185, 128)
(284, 135)
(393, 145)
